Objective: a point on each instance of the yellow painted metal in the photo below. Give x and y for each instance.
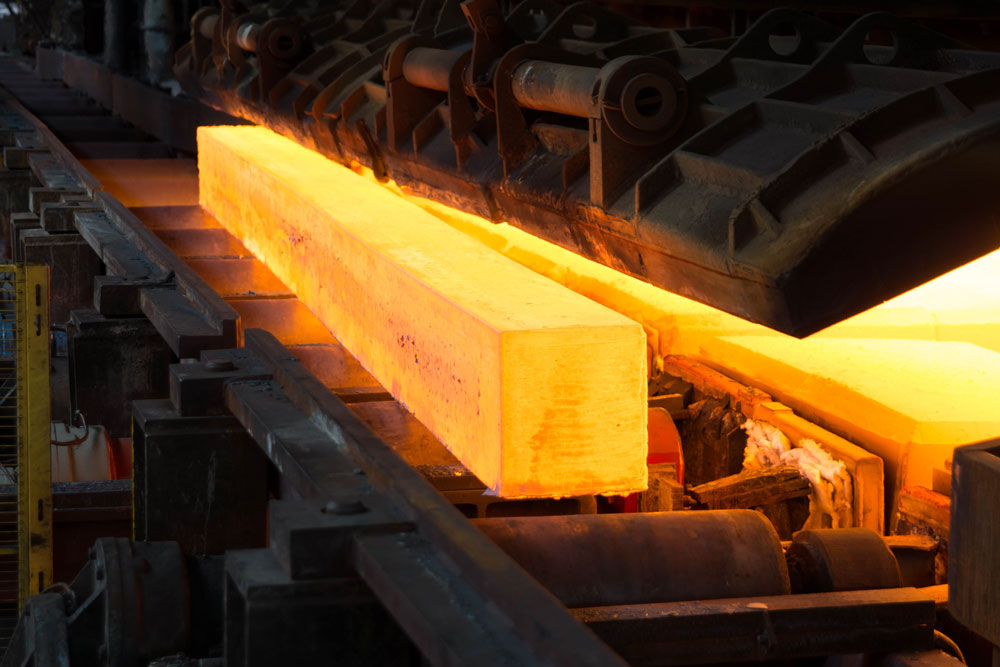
(33, 423)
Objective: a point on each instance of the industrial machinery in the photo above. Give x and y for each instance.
(793, 175)
(263, 499)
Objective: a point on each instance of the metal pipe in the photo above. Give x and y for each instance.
(545, 86)
(646, 101)
(206, 27)
(539, 85)
(429, 68)
(842, 559)
(247, 36)
(611, 559)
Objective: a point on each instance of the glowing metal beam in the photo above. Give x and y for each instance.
(537, 390)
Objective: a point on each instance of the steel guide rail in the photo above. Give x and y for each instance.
(541, 630)
(356, 508)
(151, 272)
(485, 577)
(763, 628)
(151, 268)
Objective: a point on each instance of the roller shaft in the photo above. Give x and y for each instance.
(610, 559)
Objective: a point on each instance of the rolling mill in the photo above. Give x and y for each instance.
(500, 332)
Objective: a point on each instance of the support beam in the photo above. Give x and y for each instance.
(113, 362)
(765, 628)
(537, 390)
(199, 480)
(73, 266)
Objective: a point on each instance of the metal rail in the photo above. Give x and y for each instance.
(363, 510)
(542, 631)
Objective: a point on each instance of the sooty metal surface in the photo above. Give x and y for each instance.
(793, 176)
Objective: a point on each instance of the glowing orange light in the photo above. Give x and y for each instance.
(909, 380)
(894, 379)
(537, 390)
(963, 305)
(134, 182)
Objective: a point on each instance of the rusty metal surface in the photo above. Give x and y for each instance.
(634, 558)
(186, 311)
(847, 559)
(780, 493)
(82, 512)
(317, 441)
(974, 541)
(766, 628)
(793, 176)
(131, 602)
(431, 569)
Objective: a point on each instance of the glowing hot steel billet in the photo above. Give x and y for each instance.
(537, 390)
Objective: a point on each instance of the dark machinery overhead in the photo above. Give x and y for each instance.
(793, 176)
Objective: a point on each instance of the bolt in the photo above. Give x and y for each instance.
(345, 508)
(358, 471)
(220, 365)
(99, 573)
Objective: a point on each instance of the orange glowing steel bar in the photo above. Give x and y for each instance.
(909, 401)
(963, 305)
(536, 389)
(902, 379)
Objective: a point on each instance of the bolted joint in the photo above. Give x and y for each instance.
(313, 544)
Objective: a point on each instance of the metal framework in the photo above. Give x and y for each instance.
(793, 175)
(25, 463)
(366, 559)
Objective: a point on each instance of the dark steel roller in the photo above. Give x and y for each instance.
(429, 68)
(565, 89)
(744, 173)
(842, 559)
(611, 559)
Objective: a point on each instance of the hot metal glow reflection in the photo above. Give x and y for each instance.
(484, 352)
(909, 380)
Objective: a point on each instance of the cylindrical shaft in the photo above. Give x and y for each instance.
(206, 28)
(608, 559)
(844, 559)
(246, 36)
(544, 86)
(429, 68)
